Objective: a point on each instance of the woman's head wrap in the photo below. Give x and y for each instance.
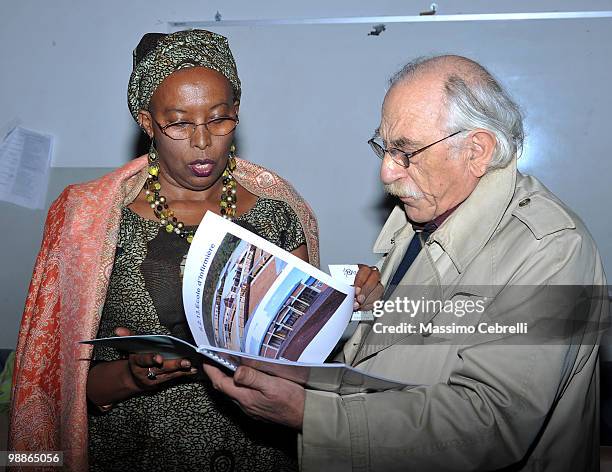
(158, 55)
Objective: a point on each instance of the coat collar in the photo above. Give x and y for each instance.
(470, 226)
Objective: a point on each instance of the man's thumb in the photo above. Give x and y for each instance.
(248, 377)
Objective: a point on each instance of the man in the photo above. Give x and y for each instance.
(472, 229)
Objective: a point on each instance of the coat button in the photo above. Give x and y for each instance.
(525, 202)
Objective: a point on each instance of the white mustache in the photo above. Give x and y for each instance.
(402, 190)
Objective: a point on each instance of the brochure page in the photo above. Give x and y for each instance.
(244, 294)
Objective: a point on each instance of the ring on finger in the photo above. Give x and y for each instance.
(373, 267)
(151, 375)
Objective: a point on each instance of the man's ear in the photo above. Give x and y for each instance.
(146, 122)
(480, 145)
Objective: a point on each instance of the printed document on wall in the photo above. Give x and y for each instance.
(25, 157)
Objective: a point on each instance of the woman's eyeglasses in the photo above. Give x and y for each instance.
(185, 129)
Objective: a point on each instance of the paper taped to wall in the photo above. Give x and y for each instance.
(25, 157)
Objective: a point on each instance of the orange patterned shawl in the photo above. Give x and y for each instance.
(66, 296)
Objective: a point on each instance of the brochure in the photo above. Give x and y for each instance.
(249, 302)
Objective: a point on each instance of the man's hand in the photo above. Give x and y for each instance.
(368, 288)
(262, 396)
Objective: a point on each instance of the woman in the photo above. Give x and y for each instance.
(110, 264)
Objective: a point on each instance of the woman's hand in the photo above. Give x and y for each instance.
(148, 371)
(115, 381)
(368, 287)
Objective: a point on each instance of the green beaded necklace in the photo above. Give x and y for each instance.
(159, 203)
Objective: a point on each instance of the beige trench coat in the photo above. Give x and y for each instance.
(482, 403)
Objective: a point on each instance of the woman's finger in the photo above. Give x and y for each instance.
(164, 377)
(121, 331)
(171, 365)
(150, 377)
(148, 359)
(149, 370)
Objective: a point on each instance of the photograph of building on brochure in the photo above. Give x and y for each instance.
(302, 314)
(243, 282)
(254, 302)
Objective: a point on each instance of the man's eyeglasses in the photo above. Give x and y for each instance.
(186, 129)
(402, 158)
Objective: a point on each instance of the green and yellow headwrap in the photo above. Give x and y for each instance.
(158, 55)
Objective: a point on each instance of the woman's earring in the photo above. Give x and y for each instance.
(153, 156)
(231, 161)
(229, 195)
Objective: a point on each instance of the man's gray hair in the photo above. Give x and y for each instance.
(475, 100)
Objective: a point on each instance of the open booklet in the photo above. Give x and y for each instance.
(248, 302)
